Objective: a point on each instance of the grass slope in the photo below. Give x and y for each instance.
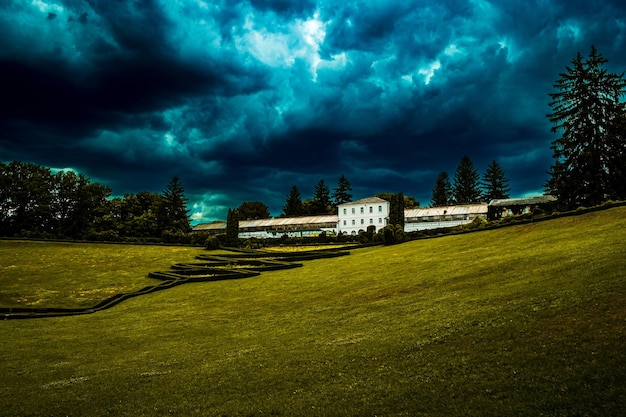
(72, 275)
(527, 320)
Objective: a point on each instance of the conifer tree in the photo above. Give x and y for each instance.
(174, 211)
(293, 203)
(232, 228)
(442, 193)
(590, 155)
(466, 188)
(495, 184)
(321, 198)
(396, 209)
(342, 194)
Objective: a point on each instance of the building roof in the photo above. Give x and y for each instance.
(521, 201)
(446, 210)
(281, 222)
(288, 221)
(369, 200)
(207, 227)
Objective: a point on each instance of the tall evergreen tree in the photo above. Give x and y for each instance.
(342, 194)
(590, 155)
(175, 213)
(466, 188)
(321, 198)
(293, 203)
(495, 184)
(396, 209)
(232, 229)
(442, 193)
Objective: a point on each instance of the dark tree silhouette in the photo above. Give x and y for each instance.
(590, 154)
(495, 184)
(466, 187)
(442, 193)
(293, 203)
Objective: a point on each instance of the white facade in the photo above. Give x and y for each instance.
(359, 215)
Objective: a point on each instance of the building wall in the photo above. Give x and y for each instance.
(361, 214)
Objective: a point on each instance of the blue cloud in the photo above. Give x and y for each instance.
(243, 99)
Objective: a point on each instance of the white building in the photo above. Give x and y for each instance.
(359, 215)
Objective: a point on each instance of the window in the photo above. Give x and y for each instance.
(362, 210)
(344, 222)
(371, 221)
(380, 220)
(345, 211)
(380, 209)
(352, 210)
(371, 209)
(352, 222)
(362, 221)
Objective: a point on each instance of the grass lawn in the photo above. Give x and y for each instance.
(73, 275)
(525, 320)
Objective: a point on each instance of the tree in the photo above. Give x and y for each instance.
(175, 214)
(466, 183)
(232, 229)
(341, 194)
(590, 155)
(293, 203)
(396, 209)
(442, 193)
(321, 197)
(26, 199)
(253, 210)
(495, 184)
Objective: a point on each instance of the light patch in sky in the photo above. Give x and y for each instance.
(283, 46)
(47, 8)
(207, 208)
(429, 71)
(568, 33)
(452, 50)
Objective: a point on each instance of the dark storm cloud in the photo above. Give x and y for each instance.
(242, 100)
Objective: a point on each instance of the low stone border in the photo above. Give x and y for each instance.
(214, 268)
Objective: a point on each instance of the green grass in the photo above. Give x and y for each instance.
(70, 275)
(526, 320)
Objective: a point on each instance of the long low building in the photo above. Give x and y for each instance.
(267, 228)
(437, 217)
(358, 215)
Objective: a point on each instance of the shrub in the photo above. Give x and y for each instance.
(212, 242)
(477, 223)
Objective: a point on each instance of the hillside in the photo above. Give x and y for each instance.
(525, 320)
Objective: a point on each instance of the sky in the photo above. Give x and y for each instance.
(244, 99)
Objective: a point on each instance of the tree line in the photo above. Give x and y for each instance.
(34, 202)
(468, 186)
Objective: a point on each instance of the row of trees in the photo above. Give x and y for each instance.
(468, 187)
(34, 202)
(322, 201)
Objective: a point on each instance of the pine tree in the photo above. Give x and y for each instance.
(174, 213)
(396, 209)
(232, 229)
(494, 183)
(293, 203)
(322, 198)
(466, 188)
(342, 194)
(591, 153)
(442, 193)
